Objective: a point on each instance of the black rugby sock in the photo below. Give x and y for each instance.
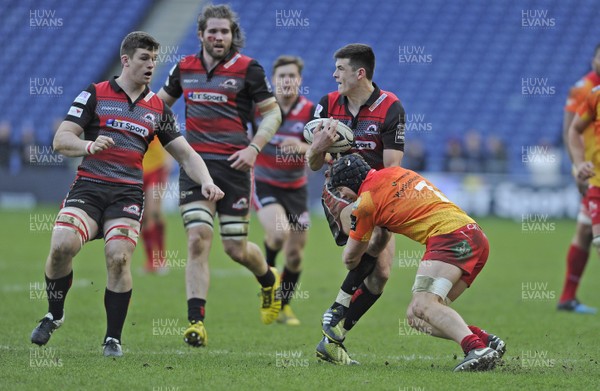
(57, 292)
(360, 303)
(116, 305)
(196, 309)
(271, 255)
(288, 285)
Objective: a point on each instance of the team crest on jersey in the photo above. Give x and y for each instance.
(229, 84)
(240, 204)
(132, 209)
(371, 129)
(352, 223)
(149, 117)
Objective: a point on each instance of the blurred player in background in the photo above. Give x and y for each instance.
(378, 121)
(579, 249)
(220, 87)
(405, 203)
(118, 119)
(156, 171)
(281, 181)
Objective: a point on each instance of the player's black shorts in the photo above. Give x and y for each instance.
(103, 201)
(237, 186)
(293, 201)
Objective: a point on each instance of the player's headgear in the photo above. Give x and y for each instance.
(349, 171)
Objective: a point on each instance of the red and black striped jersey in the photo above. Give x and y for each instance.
(379, 124)
(219, 103)
(280, 165)
(104, 109)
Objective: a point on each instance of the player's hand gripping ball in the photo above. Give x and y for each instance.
(344, 142)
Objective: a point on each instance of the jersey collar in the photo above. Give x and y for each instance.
(343, 100)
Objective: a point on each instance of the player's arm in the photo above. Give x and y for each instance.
(67, 140)
(260, 91)
(567, 120)
(194, 167)
(584, 170)
(392, 135)
(324, 136)
(171, 90)
(270, 112)
(353, 253)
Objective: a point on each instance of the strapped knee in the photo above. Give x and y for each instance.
(233, 227)
(194, 215)
(122, 232)
(438, 286)
(74, 220)
(596, 241)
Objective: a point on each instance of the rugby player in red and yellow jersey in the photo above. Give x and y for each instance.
(118, 119)
(403, 202)
(220, 86)
(377, 120)
(586, 161)
(156, 171)
(578, 254)
(281, 181)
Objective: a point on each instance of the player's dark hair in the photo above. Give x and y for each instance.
(223, 11)
(360, 56)
(287, 60)
(138, 40)
(350, 171)
(596, 49)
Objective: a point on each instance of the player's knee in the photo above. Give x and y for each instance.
(117, 259)
(277, 239)
(421, 307)
(63, 250)
(293, 260)
(199, 240)
(236, 250)
(584, 235)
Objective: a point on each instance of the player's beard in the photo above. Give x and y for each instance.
(221, 54)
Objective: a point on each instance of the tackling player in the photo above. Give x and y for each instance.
(220, 86)
(118, 119)
(579, 249)
(377, 119)
(281, 181)
(405, 203)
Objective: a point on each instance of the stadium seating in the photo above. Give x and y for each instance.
(58, 43)
(479, 51)
(476, 55)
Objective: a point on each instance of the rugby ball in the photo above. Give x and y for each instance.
(344, 142)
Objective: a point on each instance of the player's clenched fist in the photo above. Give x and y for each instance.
(212, 192)
(100, 144)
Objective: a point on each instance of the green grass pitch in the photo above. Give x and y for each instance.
(515, 297)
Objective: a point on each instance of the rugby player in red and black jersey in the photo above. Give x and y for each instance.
(281, 181)
(378, 121)
(220, 86)
(118, 119)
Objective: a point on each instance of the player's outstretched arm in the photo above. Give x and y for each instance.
(67, 141)
(584, 170)
(195, 167)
